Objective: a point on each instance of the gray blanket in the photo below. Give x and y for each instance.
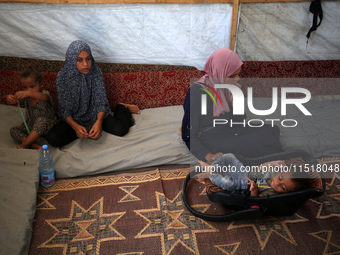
(154, 140)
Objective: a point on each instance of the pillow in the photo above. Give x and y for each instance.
(291, 69)
(145, 89)
(10, 83)
(149, 89)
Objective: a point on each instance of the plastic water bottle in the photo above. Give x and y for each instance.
(46, 167)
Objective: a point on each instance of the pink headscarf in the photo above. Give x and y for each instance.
(221, 64)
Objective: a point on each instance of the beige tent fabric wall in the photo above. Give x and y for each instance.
(277, 31)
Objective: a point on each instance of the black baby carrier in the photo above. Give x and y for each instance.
(245, 207)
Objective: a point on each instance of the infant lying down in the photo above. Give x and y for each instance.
(270, 178)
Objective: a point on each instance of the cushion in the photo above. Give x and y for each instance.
(145, 89)
(291, 69)
(149, 89)
(263, 87)
(10, 83)
(19, 64)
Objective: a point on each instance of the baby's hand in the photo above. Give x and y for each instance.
(10, 99)
(254, 190)
(20, 95)
(252, 184)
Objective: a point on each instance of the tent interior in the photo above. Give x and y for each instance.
(170, 33)
(165, 32)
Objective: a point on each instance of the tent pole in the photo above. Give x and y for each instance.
(234, 21)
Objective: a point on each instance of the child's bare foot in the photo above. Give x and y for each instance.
(202, 163)
(202, 177)
(206, 171)
(132, 108)
(22, 146)
(36, 146)
(33, 146)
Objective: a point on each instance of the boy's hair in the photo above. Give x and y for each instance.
(32, 71)
(299, 177)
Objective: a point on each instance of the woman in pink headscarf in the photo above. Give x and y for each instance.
(207, 142)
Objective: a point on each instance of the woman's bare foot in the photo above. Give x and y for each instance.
(132, 108)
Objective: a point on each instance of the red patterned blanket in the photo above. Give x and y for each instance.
(145, 89)
(152, 86)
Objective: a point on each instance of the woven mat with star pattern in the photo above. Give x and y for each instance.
(142, 212)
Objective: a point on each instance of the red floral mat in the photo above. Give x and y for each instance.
(291, 69)
(145, 89)
(142, 212)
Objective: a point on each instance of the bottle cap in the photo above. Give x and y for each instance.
(44, 146)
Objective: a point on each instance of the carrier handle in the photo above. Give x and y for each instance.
(280, 155)
(253, 213)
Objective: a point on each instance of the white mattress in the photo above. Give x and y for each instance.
(153, 140)
(18, 193)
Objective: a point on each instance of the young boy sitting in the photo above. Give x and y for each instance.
(270, 178)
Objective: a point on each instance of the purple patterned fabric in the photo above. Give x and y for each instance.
(81, 96)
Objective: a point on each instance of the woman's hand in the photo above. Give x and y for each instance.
(80, 131)
(212, 157)
(96, 130)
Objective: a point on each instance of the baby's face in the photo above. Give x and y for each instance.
(282, 183)
(30, 84)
